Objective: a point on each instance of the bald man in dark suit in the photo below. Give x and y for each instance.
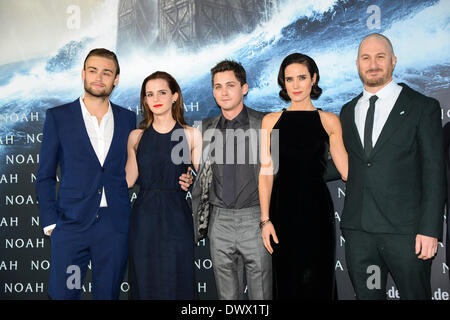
(395, 192)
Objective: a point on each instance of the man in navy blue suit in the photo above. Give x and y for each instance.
(89, 220)
(87, 138)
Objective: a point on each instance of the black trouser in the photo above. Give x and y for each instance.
(369, 255)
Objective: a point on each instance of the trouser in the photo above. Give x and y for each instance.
(447, 245)
(70, 254)
(371, 256)
(235, 240)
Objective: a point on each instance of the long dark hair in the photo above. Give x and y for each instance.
(177, 107)
(316, 91)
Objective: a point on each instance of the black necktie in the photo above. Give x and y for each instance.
(228, 176)
(368, 128)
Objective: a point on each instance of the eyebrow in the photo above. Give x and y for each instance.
(298, 75)
(95, 68)
(377, 54)
(228, 82)
(162, 90)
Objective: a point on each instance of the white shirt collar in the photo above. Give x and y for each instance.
(386, 91)
(86, 113)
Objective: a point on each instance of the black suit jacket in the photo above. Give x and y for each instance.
(400, 187)
(447, 158)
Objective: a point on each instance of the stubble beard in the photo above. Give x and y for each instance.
(376, 82)
(105, 93)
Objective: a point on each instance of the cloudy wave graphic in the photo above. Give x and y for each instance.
(329, 31)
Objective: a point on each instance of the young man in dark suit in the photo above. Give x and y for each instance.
(225, 198)
(393, 210)
(89, 220)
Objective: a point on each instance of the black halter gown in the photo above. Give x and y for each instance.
(301, 210)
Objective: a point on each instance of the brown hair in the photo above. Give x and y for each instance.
(177, 107)
(230, 65)
(105, 53)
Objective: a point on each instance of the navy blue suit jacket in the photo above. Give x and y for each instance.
(66, 143)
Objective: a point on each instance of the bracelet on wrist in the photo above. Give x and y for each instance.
(263, 223)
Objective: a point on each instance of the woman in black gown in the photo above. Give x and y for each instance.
(161, 234)
(296, 206)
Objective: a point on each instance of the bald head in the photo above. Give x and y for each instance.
(376, 61)
(377, 36)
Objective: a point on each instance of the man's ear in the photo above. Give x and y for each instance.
(244, 89)
(394, 62)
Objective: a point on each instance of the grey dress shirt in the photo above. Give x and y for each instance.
(246, 188)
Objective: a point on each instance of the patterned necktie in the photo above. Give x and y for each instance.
(368, 128)
(228, 176)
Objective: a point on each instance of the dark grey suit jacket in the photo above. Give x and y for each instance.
(200, 189)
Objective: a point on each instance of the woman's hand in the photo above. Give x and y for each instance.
(186, 180)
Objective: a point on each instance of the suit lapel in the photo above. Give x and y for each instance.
(212, 126)
(398, 113)
(79, 120)
(116, 116)
(255, 124)
(352, 139)
(253, 121)
(206, 144)
(198, 188)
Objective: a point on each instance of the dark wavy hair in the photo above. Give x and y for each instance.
(177, 107)
(316, 91)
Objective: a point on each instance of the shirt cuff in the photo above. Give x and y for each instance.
(47, 229)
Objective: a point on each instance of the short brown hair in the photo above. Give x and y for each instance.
(230, 65)
(105, 53)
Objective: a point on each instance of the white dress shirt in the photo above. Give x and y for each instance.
(387, 97)
(100, 136)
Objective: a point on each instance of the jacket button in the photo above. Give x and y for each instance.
(369, 164)
(99, 191)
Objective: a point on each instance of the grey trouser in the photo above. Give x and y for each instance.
(235, 240)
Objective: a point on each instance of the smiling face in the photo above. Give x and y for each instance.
(298, 82)
(228, 91)
(376, 62)
(99, 76)
(159, 97)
